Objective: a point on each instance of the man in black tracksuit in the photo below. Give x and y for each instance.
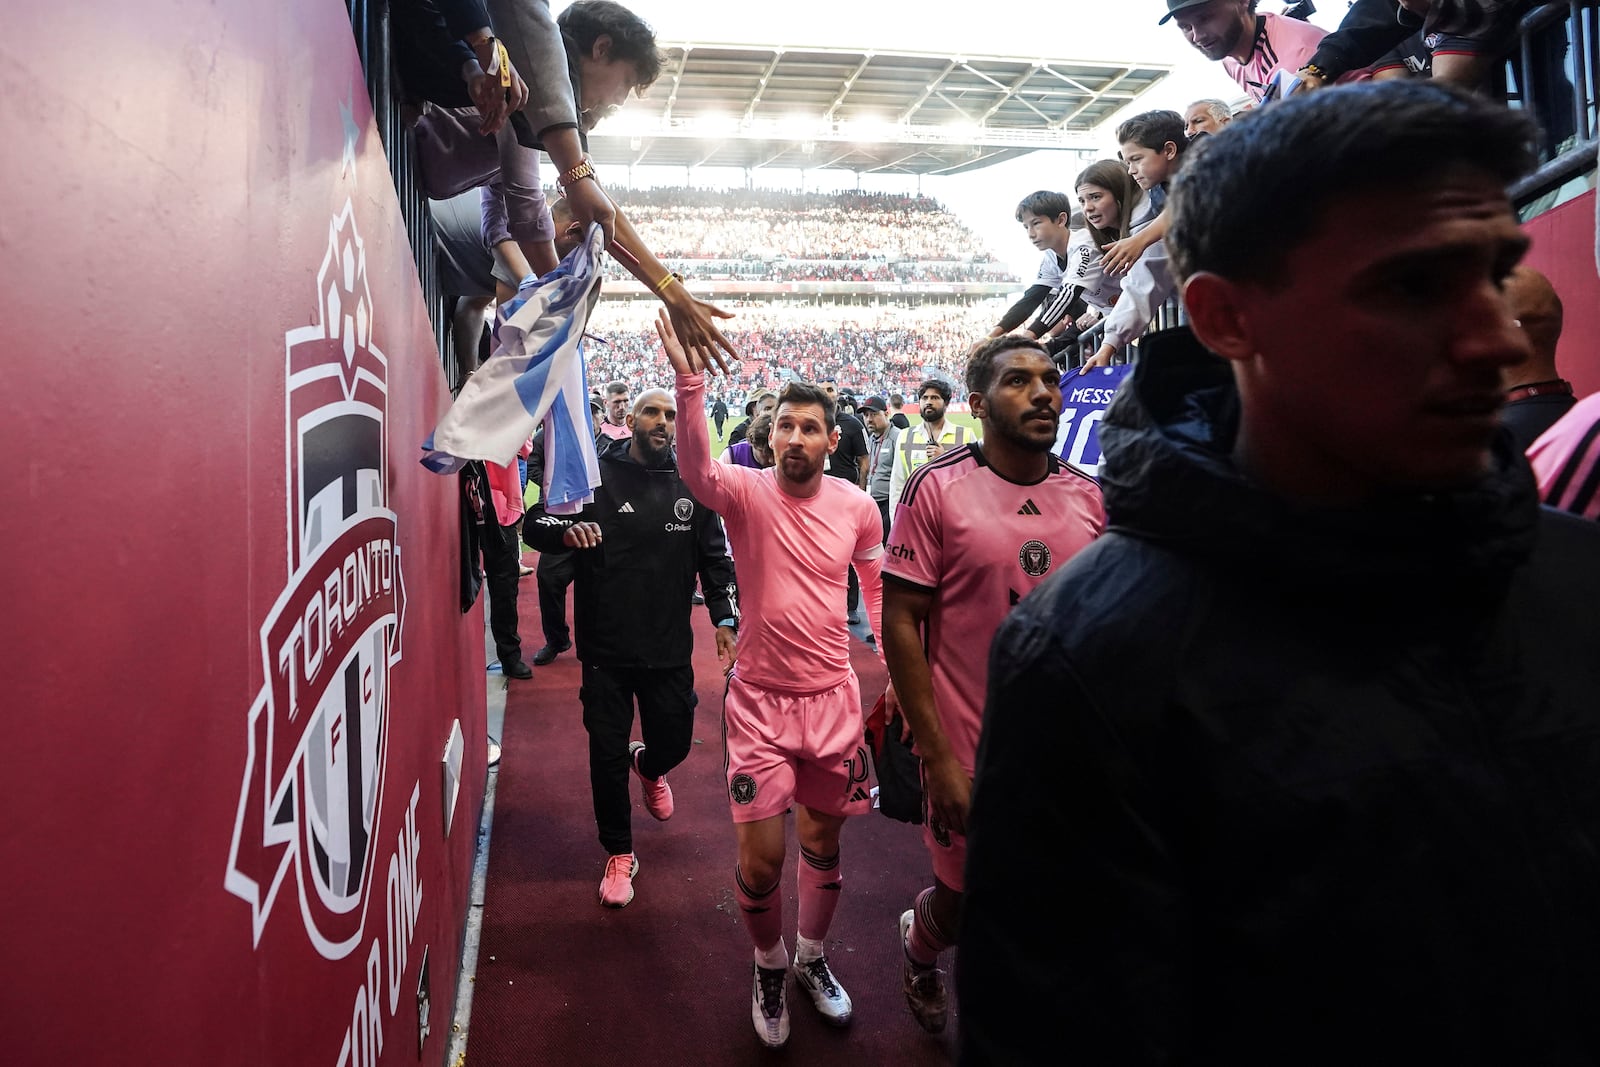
(638, 550)
(1300, 762)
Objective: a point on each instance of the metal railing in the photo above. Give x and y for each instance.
(369, 22)
(1551, 74)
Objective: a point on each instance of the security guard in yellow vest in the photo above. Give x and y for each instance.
(928, 441)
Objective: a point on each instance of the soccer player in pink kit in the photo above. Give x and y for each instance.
(792, 721)
(974, 532)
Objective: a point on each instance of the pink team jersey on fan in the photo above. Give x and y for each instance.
(790, 556)
(981, 543)
(1566, 460)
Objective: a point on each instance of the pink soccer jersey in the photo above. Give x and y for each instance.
(1566, 460)
(791, 558)
(981, 543)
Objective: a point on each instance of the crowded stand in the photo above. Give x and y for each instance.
(774, 236)
(904, 272)
(867, 349)
(731, 224)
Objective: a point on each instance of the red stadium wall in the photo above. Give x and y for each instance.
(1563, 248)
(232, 651)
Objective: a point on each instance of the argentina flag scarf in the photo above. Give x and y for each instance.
(534, 375)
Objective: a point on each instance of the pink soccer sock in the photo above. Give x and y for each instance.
(924, 941)
(819, 892)
(763, 912)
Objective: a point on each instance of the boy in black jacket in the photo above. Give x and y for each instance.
(641, 544)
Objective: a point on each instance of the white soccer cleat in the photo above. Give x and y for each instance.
(769, 1005)
(832, 1002)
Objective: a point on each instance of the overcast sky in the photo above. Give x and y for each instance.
(1124, 30)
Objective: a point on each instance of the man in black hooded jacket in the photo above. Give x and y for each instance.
(638, 549)
(1300, 762)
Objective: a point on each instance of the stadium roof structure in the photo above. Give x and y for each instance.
(753, 106)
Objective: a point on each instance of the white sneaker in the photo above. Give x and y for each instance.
(769, 1005)
(832, 1002)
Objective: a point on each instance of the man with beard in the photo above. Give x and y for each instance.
(792, 715)
(919, 444)
(976, 530)
(1254, 48)
(638, 549)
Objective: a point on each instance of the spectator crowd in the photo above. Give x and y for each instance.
(867, 349)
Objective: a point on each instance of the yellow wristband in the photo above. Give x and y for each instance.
(661, 286)
(505, 64)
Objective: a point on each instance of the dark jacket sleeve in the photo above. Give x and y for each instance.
(543, 531)
(1368, 30)
(1056, 795)
(717, 580)
(463, 16)
(1018, 313)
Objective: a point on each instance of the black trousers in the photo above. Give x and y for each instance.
(500, 561)
(883, 512)
(554, 575)
(666, 700)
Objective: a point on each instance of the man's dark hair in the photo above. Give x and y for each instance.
(938, 385)
(1248, 195)
(897, 401)
(980, 365)
(632, 38)
(1154, 129)
(797, 392)
(616, 388)
(1045, 204)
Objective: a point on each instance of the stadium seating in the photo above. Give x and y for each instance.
(764, 235)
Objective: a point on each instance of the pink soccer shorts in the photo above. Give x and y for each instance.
(782, 748)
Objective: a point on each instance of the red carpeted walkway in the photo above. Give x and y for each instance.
(666, 980)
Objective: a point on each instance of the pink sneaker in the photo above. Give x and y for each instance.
(657, 793)
(616, 887)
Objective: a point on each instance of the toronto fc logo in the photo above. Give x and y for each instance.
(319, 729)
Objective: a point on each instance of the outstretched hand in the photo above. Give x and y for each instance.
(695, 322)
(1120, 255)
(692, 358)
(1102, 358)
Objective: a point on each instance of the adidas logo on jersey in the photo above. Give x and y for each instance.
(626, 508)
(1029, 508)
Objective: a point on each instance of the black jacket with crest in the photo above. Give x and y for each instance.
(632, 597)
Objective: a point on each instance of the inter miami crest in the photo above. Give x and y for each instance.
(683, 508)
(1035, 558)
(742, 789)
(319, 729)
